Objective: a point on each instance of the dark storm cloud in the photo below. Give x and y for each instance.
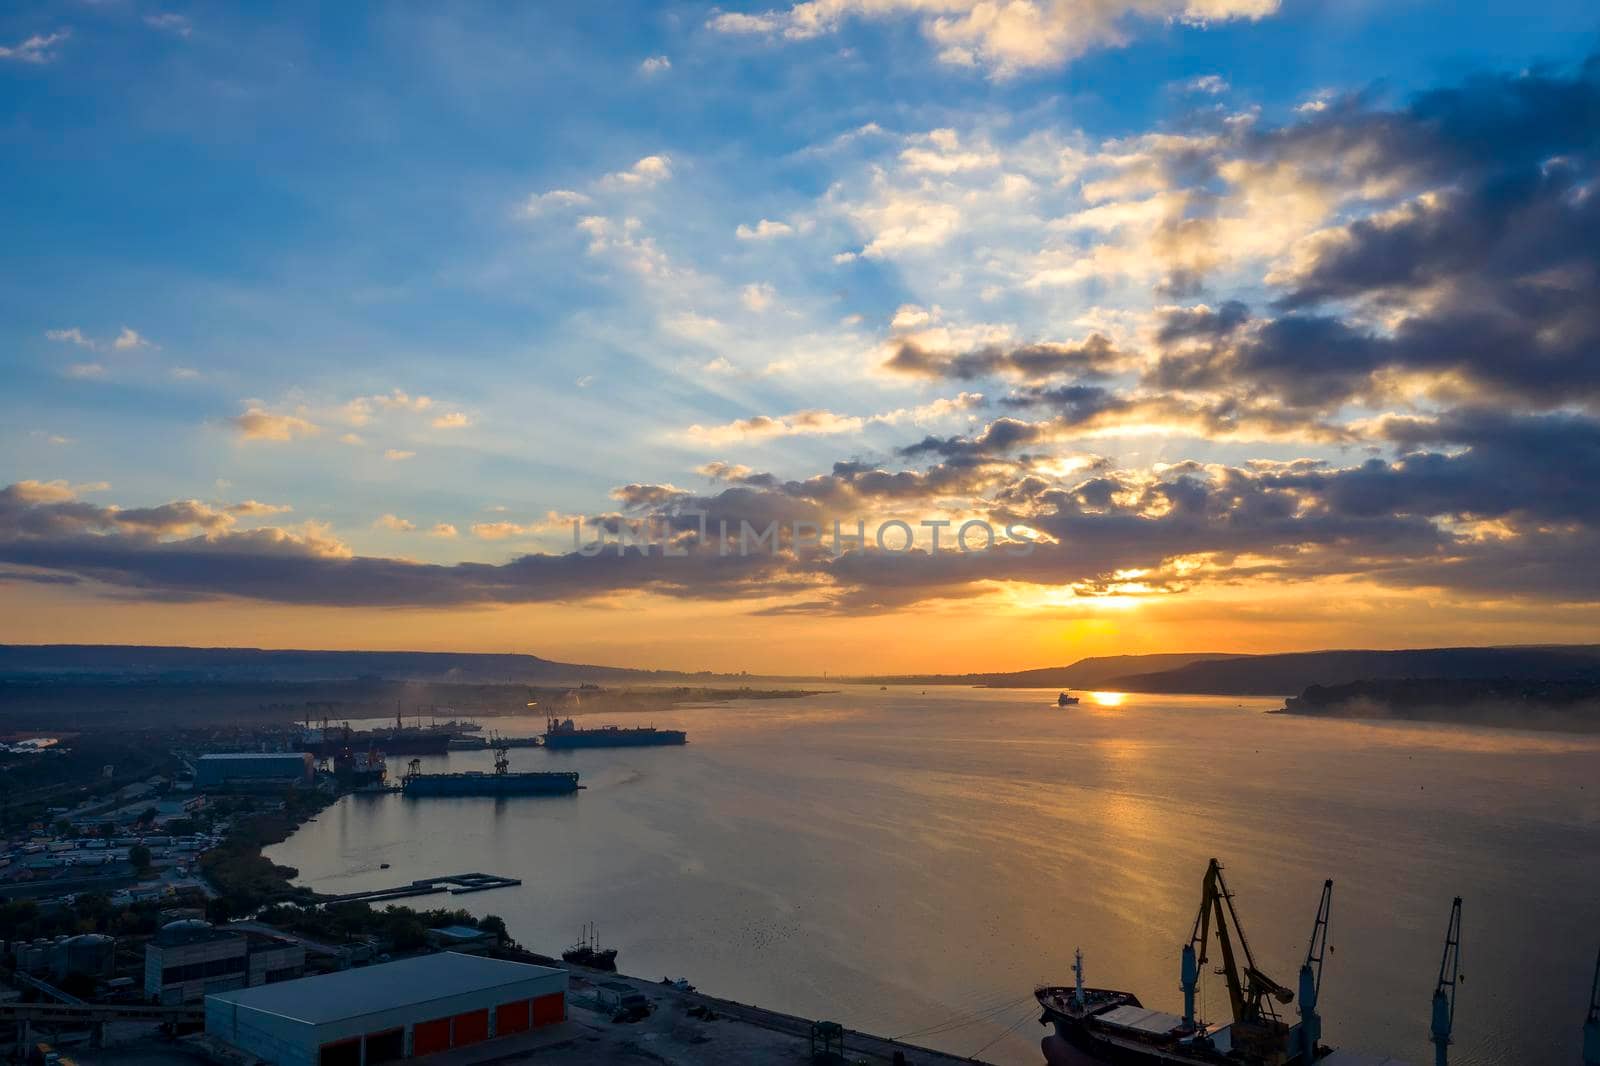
(1483, 270)
(1186, 323)
(1486, 123)
(1031, 361)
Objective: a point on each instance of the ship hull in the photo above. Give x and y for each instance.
(620, 738)
(536, 784)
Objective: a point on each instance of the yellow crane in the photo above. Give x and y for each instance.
(1257, 1030)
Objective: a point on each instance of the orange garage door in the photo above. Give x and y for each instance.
(547, 1010)
(511, 1018)
(428, 1037)
(471, 1027)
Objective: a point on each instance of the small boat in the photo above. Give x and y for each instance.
(588, 952)
(1065, 700)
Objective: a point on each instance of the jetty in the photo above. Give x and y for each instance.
(455, 884)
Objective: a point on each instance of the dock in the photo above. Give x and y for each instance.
(738, 1032)
(455, 884)
(683, 1028)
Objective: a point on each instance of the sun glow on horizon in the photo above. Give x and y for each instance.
(1108, 699)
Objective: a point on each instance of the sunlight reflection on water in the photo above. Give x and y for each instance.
(893, 858)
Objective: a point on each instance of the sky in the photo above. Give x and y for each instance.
(1231, 325)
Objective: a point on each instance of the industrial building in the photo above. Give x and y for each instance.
(392, 1011)
(190, 959)
(468, 939)
(253, 769)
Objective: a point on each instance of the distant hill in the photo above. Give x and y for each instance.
(1564, 705)
(1085, 673)
(1282, 675)
(125, 661)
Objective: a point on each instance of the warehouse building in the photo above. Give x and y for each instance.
(253, 769)
(389, 1012)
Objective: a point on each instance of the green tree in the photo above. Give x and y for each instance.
(139, 856)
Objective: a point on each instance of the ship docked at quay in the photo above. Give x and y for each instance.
(502, 782)
(1110, 1027)
(563, 734)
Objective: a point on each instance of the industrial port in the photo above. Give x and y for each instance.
(181, 976)
(1111, 1026)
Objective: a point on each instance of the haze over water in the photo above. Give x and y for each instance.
(897, 860)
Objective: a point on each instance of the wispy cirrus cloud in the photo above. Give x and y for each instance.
(1004, 39)
(170, 22)
(39, 49)
(763, 427)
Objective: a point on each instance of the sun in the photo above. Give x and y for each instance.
(1108, 699)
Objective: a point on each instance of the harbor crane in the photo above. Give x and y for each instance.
(1257, 1028)
(1591, 1025)
(1444, 993)
(1311, 978)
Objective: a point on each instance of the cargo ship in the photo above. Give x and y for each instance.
(563, 734)
(360, 769)
(1066, 700)
(1100, 1025)
(477, 783)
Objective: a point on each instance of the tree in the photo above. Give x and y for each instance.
(139, 856)
(493, 923)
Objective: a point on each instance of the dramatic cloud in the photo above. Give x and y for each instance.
(1466, 490)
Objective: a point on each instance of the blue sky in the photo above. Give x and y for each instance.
(394, 271)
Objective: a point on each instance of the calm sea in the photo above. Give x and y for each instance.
(911, 862)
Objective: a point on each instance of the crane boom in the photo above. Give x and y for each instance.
(1444, 993)
(1250, 991)
(1591, 1025)
(1311, 977)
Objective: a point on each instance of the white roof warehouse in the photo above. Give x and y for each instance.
(389, 1012)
